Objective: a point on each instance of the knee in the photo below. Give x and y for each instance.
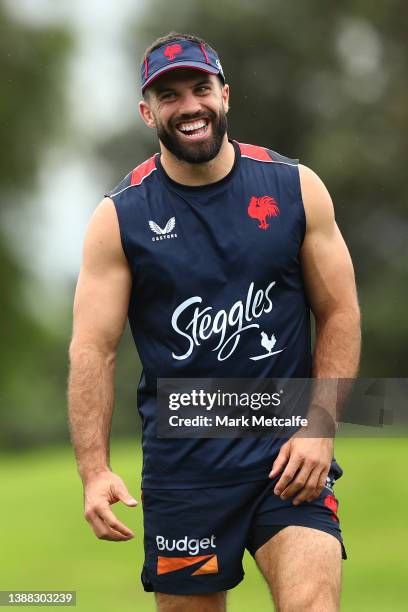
(316, 598)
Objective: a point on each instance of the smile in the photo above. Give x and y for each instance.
(193, 128)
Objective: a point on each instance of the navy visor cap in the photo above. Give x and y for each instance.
(179, 53)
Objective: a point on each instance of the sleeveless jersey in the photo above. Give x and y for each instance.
(216, 282)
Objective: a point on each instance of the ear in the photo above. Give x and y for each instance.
(225, 97)
(146, 114)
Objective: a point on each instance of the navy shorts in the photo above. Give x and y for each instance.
(195, 539)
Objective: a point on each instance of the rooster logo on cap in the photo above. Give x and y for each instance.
(172, 50)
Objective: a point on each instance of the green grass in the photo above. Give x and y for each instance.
(47, 545)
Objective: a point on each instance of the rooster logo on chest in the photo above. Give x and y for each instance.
(262, 208)
(268, 344)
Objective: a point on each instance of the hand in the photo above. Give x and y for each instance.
(307, 462)
(100, 491)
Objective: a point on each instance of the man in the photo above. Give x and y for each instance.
(211, 248)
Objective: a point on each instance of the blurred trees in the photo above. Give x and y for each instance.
(32, 371)
(322, 82)
(325, 83)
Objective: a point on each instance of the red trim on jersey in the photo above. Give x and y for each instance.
(141, 171)
(255, 152)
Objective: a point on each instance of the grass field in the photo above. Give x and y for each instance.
(47, 545)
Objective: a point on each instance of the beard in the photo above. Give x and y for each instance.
(195, 152)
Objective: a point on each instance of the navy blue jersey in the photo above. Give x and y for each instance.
(217, 292)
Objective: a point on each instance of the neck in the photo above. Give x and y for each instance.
(199, 174)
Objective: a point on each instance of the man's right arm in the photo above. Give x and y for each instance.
(100, 310)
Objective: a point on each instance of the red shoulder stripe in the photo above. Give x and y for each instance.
(255, 152)
(143, 170)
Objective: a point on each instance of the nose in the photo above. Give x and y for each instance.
(189, 104)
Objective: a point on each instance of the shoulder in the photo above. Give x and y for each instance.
(265, 155)
(134, 178)
(316, 198)
(102, 238)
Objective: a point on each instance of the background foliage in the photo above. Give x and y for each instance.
(322, 82)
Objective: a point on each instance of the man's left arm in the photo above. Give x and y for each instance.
(330, 286)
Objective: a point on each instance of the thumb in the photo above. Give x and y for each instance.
(280, 461)
(125, 497)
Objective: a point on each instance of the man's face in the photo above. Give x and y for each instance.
(188, 109)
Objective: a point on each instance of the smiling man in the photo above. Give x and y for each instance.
(195, 141)
(217, 252)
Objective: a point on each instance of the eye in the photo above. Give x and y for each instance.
(203, 88)
(167, 95)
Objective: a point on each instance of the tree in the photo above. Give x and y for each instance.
(32, 63)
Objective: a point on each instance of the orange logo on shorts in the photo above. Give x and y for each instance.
(172, 564)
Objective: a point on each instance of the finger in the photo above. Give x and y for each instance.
(298, 482)
(110, 519)
(308, 493)
(102, 530)
(287, 476)
(280, 461)
(123, 494)
(322, 481)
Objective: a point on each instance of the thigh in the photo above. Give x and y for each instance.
(302, 566)
(212, 602)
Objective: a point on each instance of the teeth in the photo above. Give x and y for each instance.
(187, 127)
